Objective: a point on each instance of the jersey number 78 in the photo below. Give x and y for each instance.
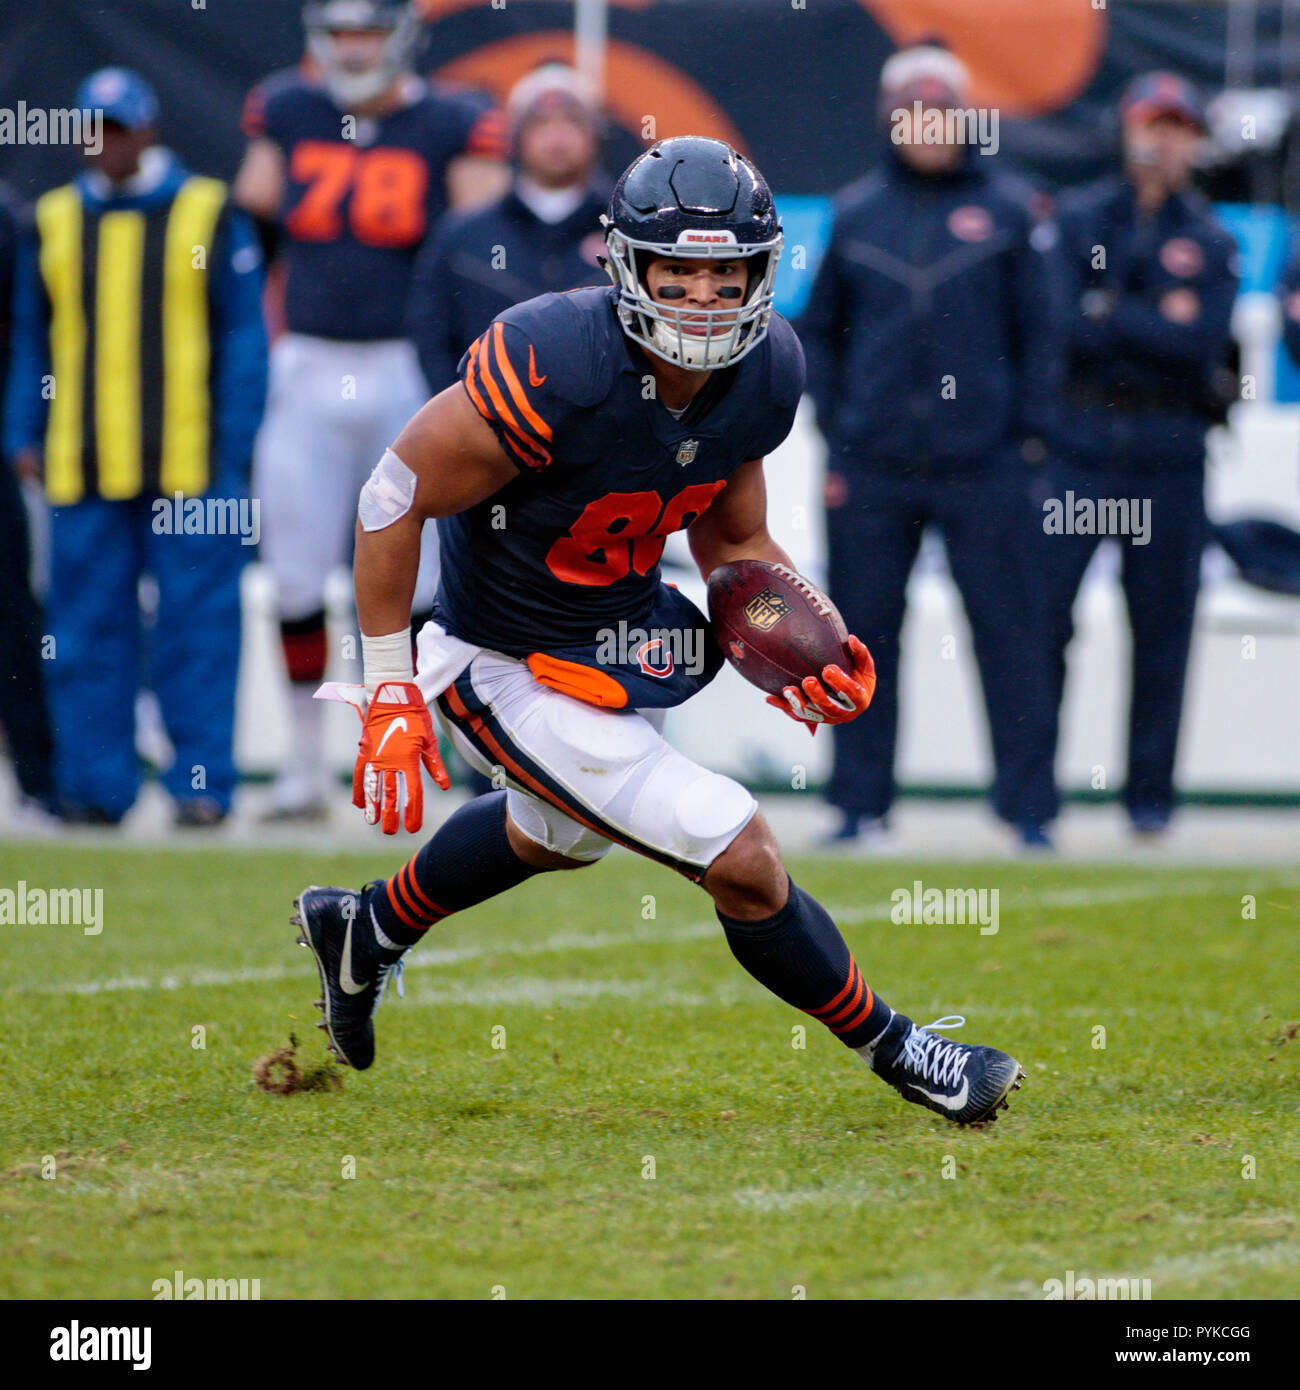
(387, 188)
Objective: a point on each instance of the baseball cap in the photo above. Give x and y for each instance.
(122, 95)
(1155, 94)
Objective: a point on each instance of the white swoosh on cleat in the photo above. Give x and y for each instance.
(948, 1102)
(346, 980)
(397, 723)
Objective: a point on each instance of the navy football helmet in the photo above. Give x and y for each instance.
(693, 197)
(348, 85)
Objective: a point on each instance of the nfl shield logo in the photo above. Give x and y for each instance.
(686, 451)
(766, 609)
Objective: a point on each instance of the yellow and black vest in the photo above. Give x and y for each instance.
(130, 351)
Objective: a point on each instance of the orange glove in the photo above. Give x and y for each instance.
(397, 738)
(810, 704)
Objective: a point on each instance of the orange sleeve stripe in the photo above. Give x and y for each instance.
(487, 136)
(512, 381)
(471, 370)
(840, 997)
(252, 120)
(528, 450)
(503, 415)
(503, 412)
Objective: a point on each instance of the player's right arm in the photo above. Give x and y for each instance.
(259, 184)
(456, 462)
(473, 181)
(445, 460)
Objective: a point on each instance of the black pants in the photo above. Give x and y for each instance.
(986, 520)
(22, 695)
(1160, 578)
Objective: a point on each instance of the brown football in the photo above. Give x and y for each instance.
(774, 626)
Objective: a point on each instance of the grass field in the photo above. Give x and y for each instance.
(632, 1037)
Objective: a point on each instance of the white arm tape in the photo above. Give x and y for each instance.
(387, 495)
(386, 658)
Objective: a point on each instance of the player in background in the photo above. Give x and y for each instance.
(933, 337)
(1150, 326)
(353, 159)
(24, 714)
(596, 423)
(543, 235)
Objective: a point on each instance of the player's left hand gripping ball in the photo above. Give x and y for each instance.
(849, 695)
(397, 738)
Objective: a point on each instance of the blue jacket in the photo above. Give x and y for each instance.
(1289, 291)
(10, 223)
(932, 330)
(238, 333)
(1150, 305)
(481, 262)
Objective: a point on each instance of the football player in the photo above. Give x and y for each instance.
(586, 427)
(353, 159)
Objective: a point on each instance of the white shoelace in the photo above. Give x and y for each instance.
(940, 1060)
(389, 974)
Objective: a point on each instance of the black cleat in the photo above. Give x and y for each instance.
(354, 971)
(967, 1085)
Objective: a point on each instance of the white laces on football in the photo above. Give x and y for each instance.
(940, 1060)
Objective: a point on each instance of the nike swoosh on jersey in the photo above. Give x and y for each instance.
(401, 721)
(533, 378)
(346, 981)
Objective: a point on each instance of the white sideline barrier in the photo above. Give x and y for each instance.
(1240, 723)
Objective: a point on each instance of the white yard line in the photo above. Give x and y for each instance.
(1011, 901)
(542, 993)
(1163, 1270)
(431, 957)
(426, 959)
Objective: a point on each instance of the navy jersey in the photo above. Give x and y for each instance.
(1150, 324)
(356, 210)
(571, 548)
(931, 281)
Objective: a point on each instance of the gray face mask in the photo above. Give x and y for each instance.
(698, 339)
(348, 85)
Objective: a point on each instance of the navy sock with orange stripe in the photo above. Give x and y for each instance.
(468, 861)
(801, 957)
